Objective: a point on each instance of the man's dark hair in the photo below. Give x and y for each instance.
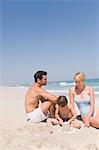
(39, 74)
(62, 101)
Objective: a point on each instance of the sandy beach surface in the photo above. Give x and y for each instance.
(17, 134)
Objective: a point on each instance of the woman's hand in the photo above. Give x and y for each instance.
(86, 121)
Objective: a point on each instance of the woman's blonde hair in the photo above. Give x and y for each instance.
(80, 76)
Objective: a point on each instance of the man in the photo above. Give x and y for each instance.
(34, 112)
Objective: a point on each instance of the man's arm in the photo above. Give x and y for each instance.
(42, 99)
(48, 95)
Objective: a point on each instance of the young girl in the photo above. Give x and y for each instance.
(63, 112)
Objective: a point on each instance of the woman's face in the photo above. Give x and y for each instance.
(79, 83)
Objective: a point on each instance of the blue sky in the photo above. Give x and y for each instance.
(60, 37)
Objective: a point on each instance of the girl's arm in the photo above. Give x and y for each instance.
(57, 114)
(74, 115)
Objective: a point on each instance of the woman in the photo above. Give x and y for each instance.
(83, 96)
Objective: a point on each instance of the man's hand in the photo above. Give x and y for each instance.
(42, 99)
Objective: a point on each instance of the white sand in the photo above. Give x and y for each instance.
(17, 134)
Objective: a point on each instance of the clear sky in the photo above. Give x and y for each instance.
(60, 37)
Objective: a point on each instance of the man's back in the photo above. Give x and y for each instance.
(32, 98)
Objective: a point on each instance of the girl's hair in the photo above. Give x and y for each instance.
(62, 101)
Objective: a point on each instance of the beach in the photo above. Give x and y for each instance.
(17, 134)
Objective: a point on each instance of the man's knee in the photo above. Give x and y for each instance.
(45, 106)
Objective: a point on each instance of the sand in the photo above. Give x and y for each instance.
(17, 134)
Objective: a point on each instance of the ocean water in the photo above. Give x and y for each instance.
(64, 86)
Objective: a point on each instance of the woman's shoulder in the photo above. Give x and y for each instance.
(72, 89)
(89, 88)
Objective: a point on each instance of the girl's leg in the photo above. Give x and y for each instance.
(76, 124)
(50, 122)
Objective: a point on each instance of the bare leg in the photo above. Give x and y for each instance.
(75, 124)
(50, 122)
(52, 111)
(45, 106)
(94, 121)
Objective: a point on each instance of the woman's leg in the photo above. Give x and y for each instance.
(94, 121)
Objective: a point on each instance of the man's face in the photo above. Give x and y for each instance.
(44, 80)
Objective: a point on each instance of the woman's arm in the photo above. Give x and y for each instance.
(92, 101)
(90, 113)
(71, 97)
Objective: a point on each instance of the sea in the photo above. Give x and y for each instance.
(65, 85)
(62, 87)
